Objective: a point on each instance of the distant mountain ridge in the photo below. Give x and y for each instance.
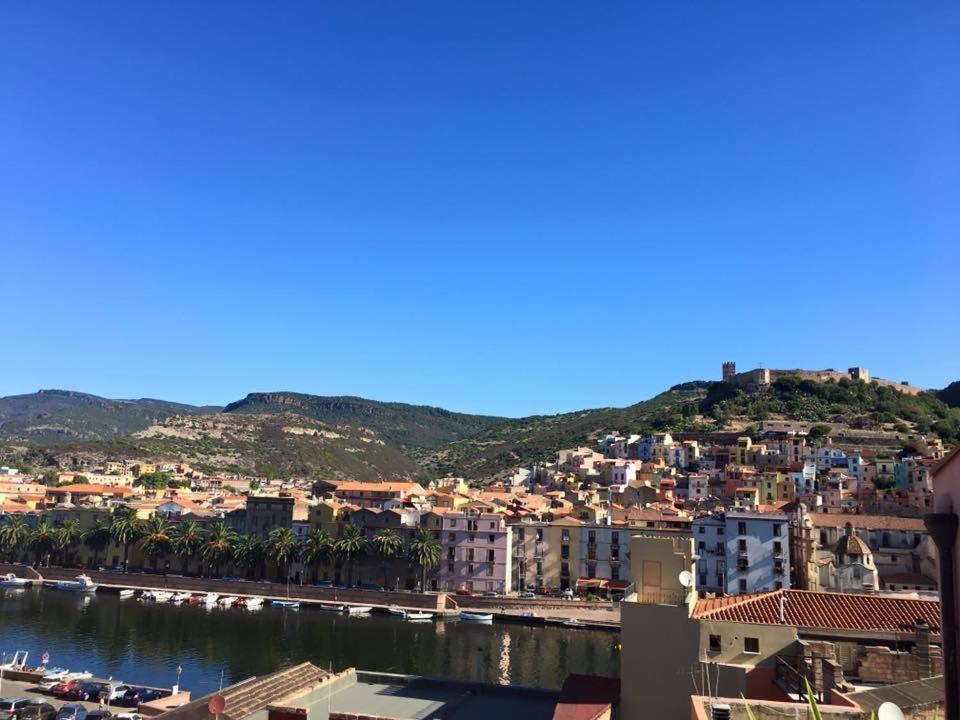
(57, 416)
(407, 426)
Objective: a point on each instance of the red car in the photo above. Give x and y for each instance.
(465, 592)
(64, 688)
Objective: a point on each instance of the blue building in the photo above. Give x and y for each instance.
(742, 552)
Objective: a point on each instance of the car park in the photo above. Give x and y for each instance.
(38, 710)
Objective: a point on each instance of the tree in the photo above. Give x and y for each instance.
(283, 548)
(97, 538)
(425, 550)
(50, 478)
(248, 553)
(14, 535)
(389, 545)
(187, 538)
(819, 432)
(350, 546)
(69, 536)
(317, 550)
(43, 540)
(126, 529)
(157, 540)
(218, 547)
(153, 481)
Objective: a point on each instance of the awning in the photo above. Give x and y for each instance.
(588, 582)
(618, 584)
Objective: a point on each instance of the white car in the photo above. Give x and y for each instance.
(113, 692)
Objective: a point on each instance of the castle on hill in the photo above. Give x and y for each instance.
(759, 378)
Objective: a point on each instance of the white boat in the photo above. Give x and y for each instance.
(252, 603)
(227, 600)
(332, 608)
(419, 616)
(574, 623)
(12, 581)
(82, 583)
(209, 599)
(358, 609)
(397, 611)
(180, 597)
(126, 593)
(291, 604)
(161, 595)
(476, 617)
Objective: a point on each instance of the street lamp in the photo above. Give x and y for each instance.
(176, 688)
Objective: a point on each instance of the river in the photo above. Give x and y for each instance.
(144, 642)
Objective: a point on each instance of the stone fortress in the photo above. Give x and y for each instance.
(759, 378)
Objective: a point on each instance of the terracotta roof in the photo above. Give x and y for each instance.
(823, 610)
(586, 697)
(89, 489)
(380, 487)
(867, 522)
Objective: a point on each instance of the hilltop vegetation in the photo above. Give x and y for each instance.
(406, 426)
(63, 416)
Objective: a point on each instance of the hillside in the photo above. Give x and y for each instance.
(513, 443)
(950, 394)
(59, 416)
(271, 445)
(402, 425)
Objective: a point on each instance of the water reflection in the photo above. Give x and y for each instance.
(144, 642)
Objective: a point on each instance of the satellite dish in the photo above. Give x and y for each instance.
(889, 711)
(217, 704)
(686, 579)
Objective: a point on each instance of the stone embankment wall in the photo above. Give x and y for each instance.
(880, 664)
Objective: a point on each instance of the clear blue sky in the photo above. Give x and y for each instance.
(494, 207)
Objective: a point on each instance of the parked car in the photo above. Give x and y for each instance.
(490, 594)
(72, 711)
(63, 689)
(134, 696)
(86, 691)
(370, 586)
(464, 592)
(12, 706)
(526, 594)
(563, 594)
(99, 715)
(114, 692)
(38, 711)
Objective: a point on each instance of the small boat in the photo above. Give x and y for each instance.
(209, 599)
(419, 616)
(251, 603)
(82, 584)
(126, 593)
(397, 611)
(194, 599)
(574, 623)
(12, 581)
(227, 600)
(476, 617)
(332, 608)
(162, 595)
(357, 609)
(181, 597)
(291, 604)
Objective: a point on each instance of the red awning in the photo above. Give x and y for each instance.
(618, 584)
(588, 582)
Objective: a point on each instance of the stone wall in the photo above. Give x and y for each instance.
(880, 664)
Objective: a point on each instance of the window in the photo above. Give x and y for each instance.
(751, 645)
(714, 645)
(491, 555)
(452, 537)
(565, 569)
(778, 585)
(614, 573)
(777, 547)
(592, 536)
(721, 530)
(472, 537)
(564, 535)
(470, 569)
(470, 554)
(703, 579)
(776, 530)
(701, 545)
(615, 537)
(720, 548)
(701, 530)
(565, 552)
(741, 528)
(520, 534)
(493, 526)
(450, 566)
(592, 572)
(741, 546)
(742, 586)
(539, 568)
(490, 538)
(450, 554)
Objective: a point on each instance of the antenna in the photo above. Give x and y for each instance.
(686, 578)
(889, 711)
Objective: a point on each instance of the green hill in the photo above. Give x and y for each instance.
(950, 394)
(59, 416)
(406, 426)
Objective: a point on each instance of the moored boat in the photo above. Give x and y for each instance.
(253, 603)
(357, 609)
(162, 595)
(82, 584)
(476, 617)
(180, 597)
(12, 581)
(291, 604)
(419, 616)
(332, 608)
(397, 611)
(574, 623)
(126, 593)
(227, 600)
(209, 599)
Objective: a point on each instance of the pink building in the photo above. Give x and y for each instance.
(942, 526)
(476, 550)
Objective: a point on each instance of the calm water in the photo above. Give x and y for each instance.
(144, 642)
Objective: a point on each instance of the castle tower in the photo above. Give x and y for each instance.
(729, 371)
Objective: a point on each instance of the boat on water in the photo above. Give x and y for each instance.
(250, 603)
(358, 609)
(419, 616)
(12, 581)
(126, 593)
(162, 595)
(82, 584)
(209, 599)
(397, 611)
(181, 597)
(476, 617)
(332, 608)
(227, 600)
(574, 623)
(291, 604)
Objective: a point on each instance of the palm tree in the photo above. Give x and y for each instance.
(68, 536)
(283, 548)
(14, 535)
(43, 540)
(350, 546)
(126, 529)
(157, 540)
(248, 553)
(188, 538)
(389, 545)
(97, 538)
(218, 546)
(317, 550)
(425, 550)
